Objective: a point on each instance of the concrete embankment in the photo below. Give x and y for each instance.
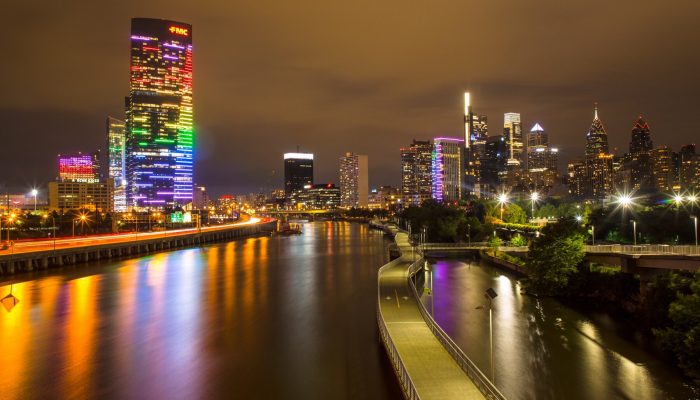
(73, 251)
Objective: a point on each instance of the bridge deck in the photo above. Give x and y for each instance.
(434, 373)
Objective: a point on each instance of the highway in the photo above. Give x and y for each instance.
(30, 246)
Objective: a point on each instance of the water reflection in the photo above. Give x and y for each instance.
(543, 349)
(266, 317)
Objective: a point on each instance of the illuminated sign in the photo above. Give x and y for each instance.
(179, 31)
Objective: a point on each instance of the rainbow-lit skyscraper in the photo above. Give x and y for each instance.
(159, 128)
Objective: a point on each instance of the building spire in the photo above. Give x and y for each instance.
(595, 110)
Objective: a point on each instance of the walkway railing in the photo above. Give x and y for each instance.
(485, 386)
(645, 249)
(409, 389)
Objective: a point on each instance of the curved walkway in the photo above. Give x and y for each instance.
(432, 371)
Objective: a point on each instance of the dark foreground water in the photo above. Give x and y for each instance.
(542, 348)
(260, 318)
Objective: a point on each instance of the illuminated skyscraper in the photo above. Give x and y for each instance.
(416, 171)
(475, 135)
(159, 129)
(541, 159)
(662, 168)
(354, 181)
(639, 161)
(596, 138)
(298, 172)
(116, 146)
(513, 133)
(447, 169)
(599, 163)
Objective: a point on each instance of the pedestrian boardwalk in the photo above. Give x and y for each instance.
(431, 370)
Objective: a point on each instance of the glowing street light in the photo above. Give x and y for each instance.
(634, 230)
(695, 219)
(533, 198)
(624, 200)
(502, 200)
(34, 193)
(579, 218)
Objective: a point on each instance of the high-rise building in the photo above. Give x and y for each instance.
(541, 160)
(638, 161)
(159, 127)
(416, 171)
(116, 154)
(641, 137)
(298, 172)
(200, 198)
(596, 138)
(78, 168)
(384, 198)
(689, 168)
(513, 132)
(599, 163)
(354, 180)
(494, 163)
(447, 169)
(475, 136)
(662, 168)
(577, 178)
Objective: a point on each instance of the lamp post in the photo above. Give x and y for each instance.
(634, 231)
(695, 221)
(593, 234)
(502, 200)
(469, 234)
(533, 198)
(490, 294)
(34, 193)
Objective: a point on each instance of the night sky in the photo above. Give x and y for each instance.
(362, 76)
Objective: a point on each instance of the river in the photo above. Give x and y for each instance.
(542, 348)
(258, 318)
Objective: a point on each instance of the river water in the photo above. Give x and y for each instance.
(259, 318)
(542, 348)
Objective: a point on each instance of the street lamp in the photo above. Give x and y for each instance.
(695, 220)
(502, 200)
(593, 234)
(634, 230)
(34, 193)
(490, 294)
(533, 198)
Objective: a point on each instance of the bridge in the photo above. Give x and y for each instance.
(427, 363)
(29, 255)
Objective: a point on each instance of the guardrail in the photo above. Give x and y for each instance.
(485, 386)
(407, 385)
(645, 249)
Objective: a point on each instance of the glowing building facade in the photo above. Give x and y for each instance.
(116, 154)
(78, 168)
(159, 127)
(447, 169)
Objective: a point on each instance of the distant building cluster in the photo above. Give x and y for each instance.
(600, 174)
(449, 169)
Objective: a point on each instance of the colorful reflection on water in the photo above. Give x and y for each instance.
(265, 317)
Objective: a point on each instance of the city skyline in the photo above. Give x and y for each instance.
(388, 110)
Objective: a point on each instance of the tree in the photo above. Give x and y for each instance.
(494, 243)
(683, 336)
(554, 256)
